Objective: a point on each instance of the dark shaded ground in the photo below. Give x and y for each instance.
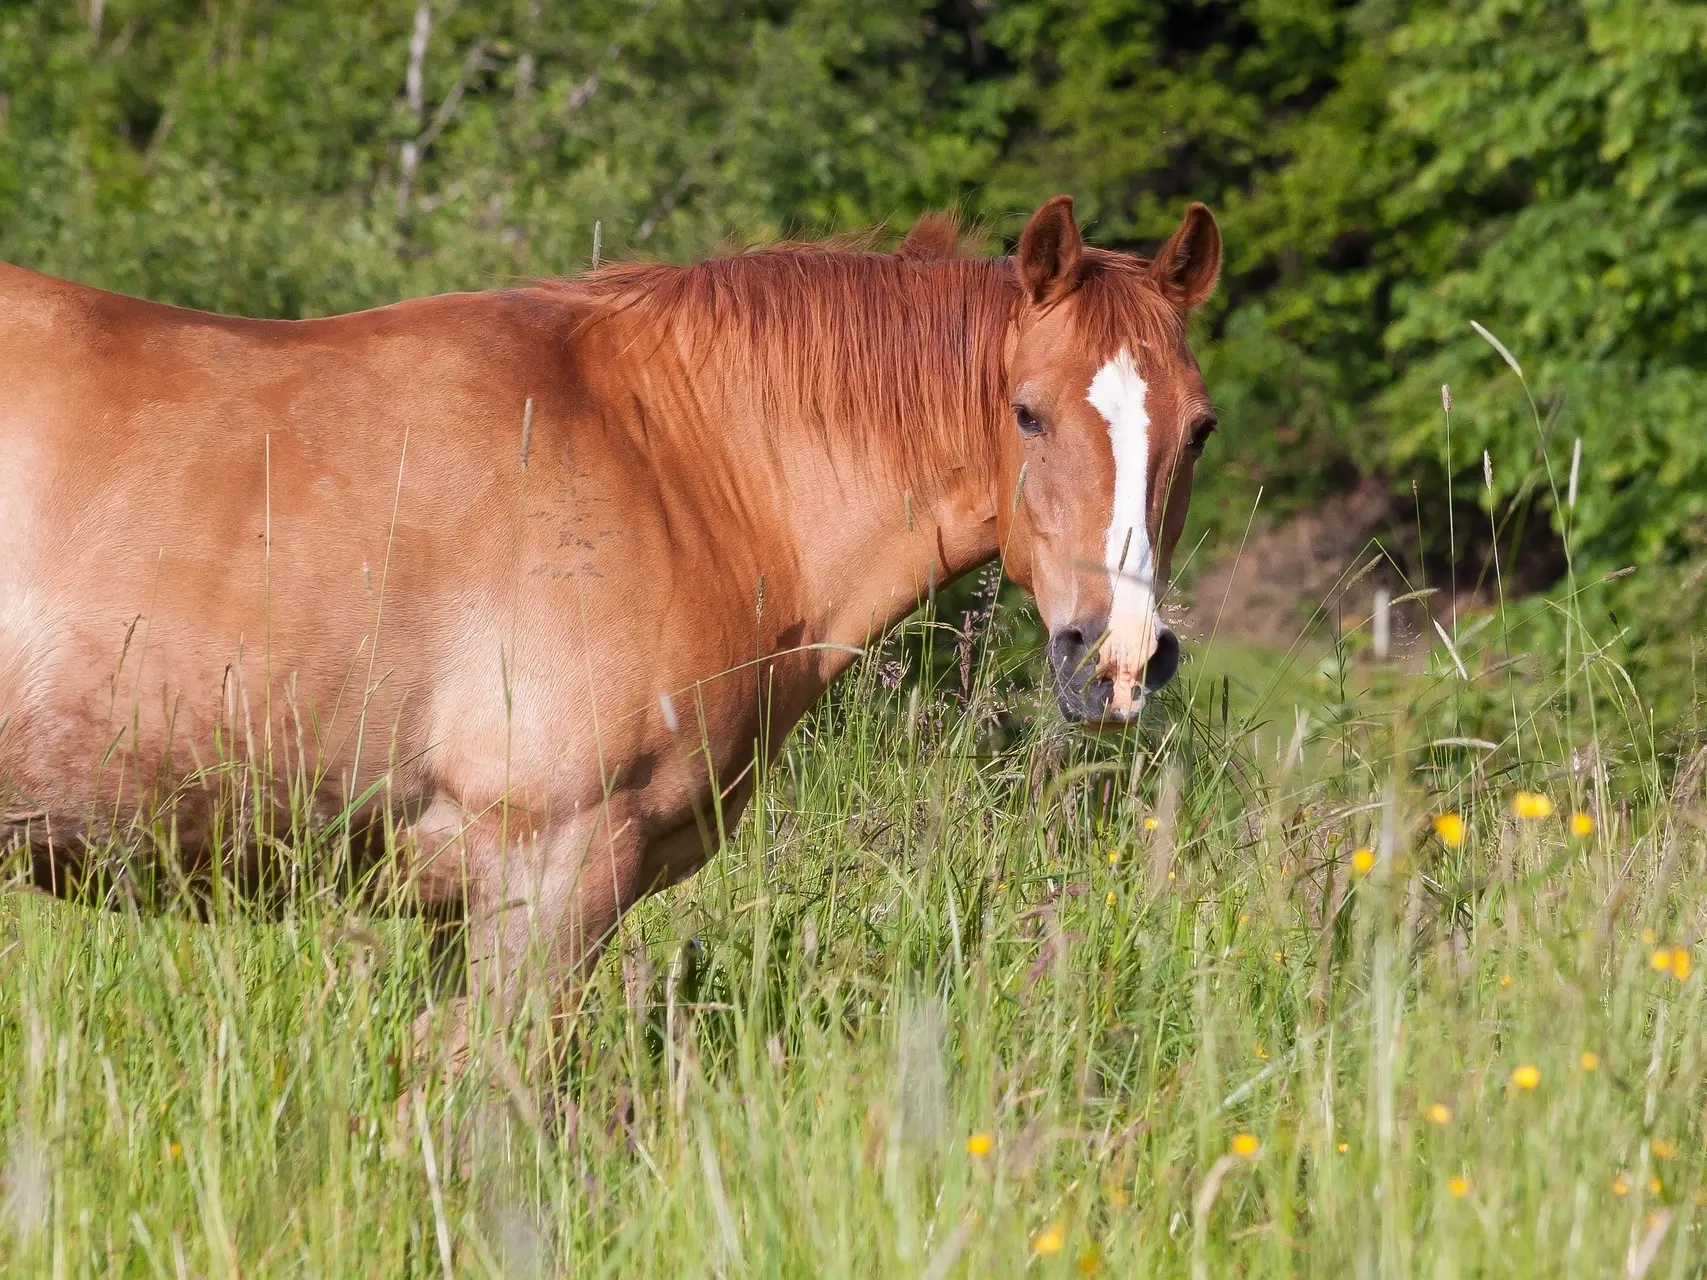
(1335, 557)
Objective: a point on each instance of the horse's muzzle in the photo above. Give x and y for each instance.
(1083, 695)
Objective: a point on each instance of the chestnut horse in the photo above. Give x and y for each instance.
(517, 566)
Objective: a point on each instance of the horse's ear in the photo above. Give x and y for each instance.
(1190, 262)
(934, 236)
(1049, 247)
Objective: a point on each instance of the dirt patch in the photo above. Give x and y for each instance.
(1286, 573)
(1330, 561)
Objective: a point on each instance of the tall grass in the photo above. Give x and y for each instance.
(968, 995)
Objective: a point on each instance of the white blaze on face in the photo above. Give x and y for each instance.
(1118, 393)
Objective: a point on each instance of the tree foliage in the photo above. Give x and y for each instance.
(1386, 170)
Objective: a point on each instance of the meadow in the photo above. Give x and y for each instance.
(1335, 967)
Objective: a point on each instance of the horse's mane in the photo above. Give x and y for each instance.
(908, 344)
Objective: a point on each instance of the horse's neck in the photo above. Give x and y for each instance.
(871, 549)
(871, 536)
(876, 529)
(881, 486)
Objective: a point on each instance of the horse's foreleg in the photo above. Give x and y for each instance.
(542, 896)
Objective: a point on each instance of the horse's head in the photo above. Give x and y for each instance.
(1109, 417)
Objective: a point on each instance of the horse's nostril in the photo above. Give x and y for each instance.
(1067, 647)
(1164, 662)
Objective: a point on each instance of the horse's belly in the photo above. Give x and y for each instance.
(121, 705)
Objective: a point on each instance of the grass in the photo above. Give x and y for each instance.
(969, 995)
(1333, 967)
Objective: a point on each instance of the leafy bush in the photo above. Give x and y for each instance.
(1386, 173)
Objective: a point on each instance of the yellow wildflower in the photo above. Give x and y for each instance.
(1660, 961)
(1655, 1186)
(1662, 1149)
(1527, 806)
(1110, 898)
(1505, 979)
(176, 1151)
(980, 1145)
(1458, 1185)
(1247, 1145)
(1262, 1054)
(1363, 860)
(1620, 1185)
(1526, 1076)
(1681, 963)
(1150, 824)
(1114, 857)
(1344, 1147)
(1048, 1241)
(1590, 1061)
(1277, 957)
(1450, 828)
(1439, 1113)
(1087, 1261)
(1582, 825)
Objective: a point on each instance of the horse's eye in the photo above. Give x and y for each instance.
(1029, 424)
(1201, 430)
